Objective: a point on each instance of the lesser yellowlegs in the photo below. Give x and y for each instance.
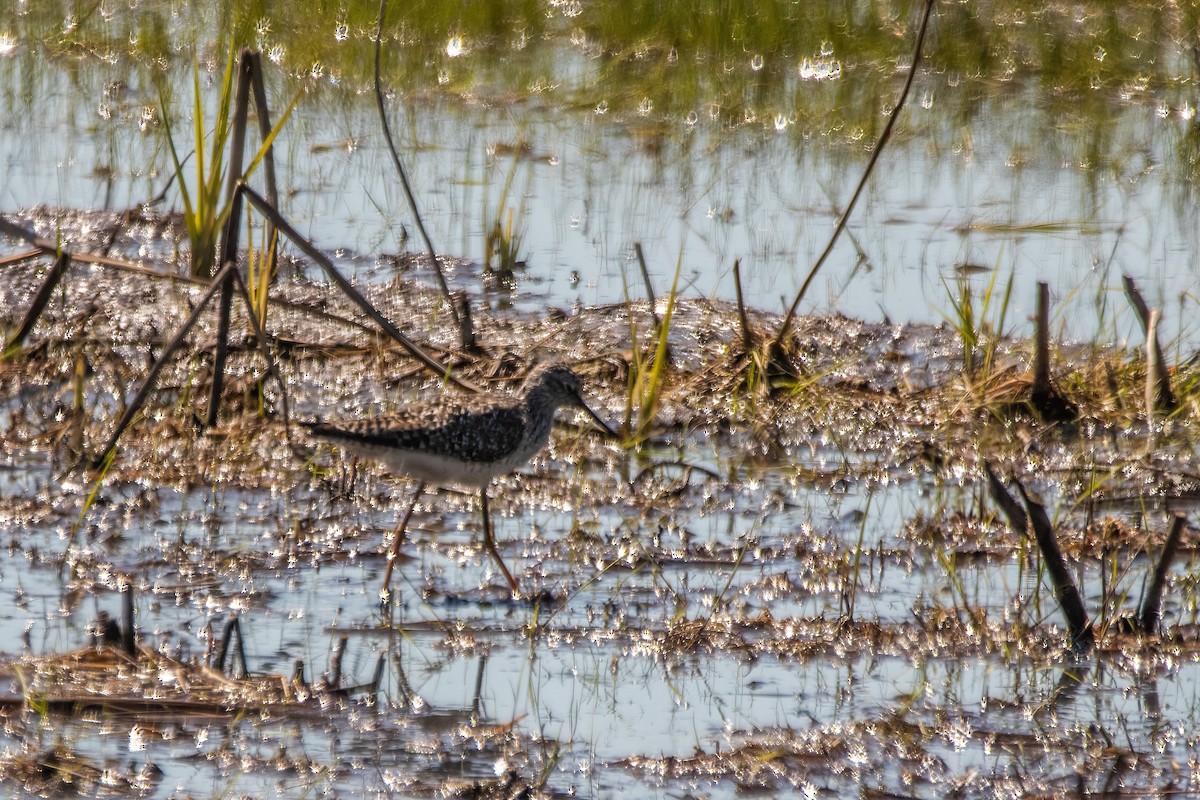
(465, 441)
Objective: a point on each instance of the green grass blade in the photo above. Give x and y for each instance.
(275, 130)
(652, 388)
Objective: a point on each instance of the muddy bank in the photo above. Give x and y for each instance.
(804, 564)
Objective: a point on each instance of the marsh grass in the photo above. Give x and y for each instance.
(505, 234)
(77, 423)
(851, 580)
(1052, 228)
(1105, 384)
(261, 268)
(1186, 381)
(648, 369)
(502, 248)
(204, 213)
(633, 44)
(92, 496)
(979, 324)
(205, 210)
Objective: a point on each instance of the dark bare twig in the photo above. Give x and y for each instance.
(321, 260)
(264, 131)
(1017, 518)
(230, 235)
(335, 662)
(1151, 614)
(241, 113)
(641, 258)
(652, 300)
(477, 695)
(233, 628)
(412, 201)
(1114, 784)
(1041, 349)
(260, 334)
(377, 680)
(1046, 399)
(1158, 382)
(151, 377)
(747, 336)
(1034, 520)
(886, 135)
(40, 300)
(1065, 589)
(128, 635)
(17, 258)
(1134, 295)
(249, 67)
(466, 328)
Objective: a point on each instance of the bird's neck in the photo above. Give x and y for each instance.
(539, 413)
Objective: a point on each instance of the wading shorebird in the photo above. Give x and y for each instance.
(463, 441)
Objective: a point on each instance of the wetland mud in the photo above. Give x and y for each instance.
(791, 583)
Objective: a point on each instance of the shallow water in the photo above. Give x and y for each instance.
(991, 172)
(797, 600)
(805, 595)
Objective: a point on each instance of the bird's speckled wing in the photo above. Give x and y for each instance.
(446, 429)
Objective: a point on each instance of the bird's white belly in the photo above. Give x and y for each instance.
(432, 468)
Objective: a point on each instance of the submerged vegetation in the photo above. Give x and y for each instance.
(803, 69)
